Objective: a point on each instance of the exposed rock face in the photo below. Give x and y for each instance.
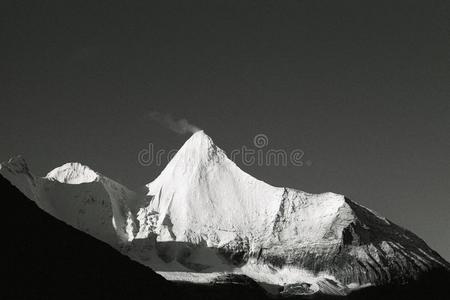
(204, 217)
(17, 172)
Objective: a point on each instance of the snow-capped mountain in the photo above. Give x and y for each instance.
(78, 196)
(203, 217)
(276, 235)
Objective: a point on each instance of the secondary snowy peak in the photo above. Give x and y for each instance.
(73, 173)
(100, 206)
(79, 196)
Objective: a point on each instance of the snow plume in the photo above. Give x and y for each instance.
(181, 126)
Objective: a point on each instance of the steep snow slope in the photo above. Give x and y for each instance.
(275, 235)
(203, 196)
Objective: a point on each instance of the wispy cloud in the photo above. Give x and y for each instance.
(181, 126)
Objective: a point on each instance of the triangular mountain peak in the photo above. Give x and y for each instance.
(197, 153)
(198, 146)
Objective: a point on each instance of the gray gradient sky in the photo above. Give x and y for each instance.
(362, 87)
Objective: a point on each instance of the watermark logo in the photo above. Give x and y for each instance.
(259, 153)
(260, 140)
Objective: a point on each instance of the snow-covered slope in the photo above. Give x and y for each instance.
(79, 196)
(203, 216)
(275, 235)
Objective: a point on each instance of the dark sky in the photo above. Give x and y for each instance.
(362, 87)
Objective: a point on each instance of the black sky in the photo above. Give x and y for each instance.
(362, 87)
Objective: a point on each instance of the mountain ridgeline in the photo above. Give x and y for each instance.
(205, 221)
